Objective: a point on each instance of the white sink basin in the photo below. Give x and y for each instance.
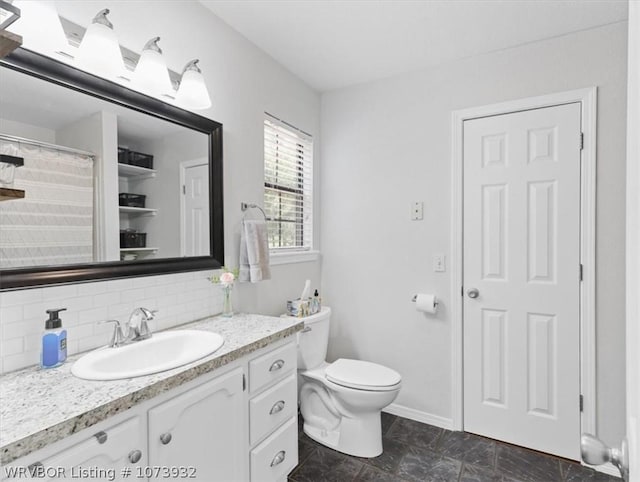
(163, 351)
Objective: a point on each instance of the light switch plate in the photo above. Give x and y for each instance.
(417, 211)
(439, 263)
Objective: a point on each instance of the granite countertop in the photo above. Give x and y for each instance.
(40, 407)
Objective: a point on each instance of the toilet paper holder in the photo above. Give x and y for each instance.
(415, 297)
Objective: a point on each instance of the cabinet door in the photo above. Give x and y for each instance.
(102, 456)
(202, 431)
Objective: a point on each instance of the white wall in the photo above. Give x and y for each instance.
(20, 129)
(244, 83)
(388, 143)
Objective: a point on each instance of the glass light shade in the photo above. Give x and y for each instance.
(151, 74)
(40, 27)
(99, 52)
(193, 93)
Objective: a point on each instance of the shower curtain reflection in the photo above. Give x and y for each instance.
(53, 224)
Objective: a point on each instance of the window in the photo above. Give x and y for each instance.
(288, 166)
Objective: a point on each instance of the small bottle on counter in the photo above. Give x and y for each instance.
(315, 303)
(54, 341)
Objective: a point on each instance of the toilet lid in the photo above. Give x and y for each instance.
(361, 374)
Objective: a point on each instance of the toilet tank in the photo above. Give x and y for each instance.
(313, 339)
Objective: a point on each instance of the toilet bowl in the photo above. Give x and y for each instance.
(341, 402)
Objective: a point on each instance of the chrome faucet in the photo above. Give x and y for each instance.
(137, 327)
(117, 338)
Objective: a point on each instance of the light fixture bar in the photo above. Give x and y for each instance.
(75, 33)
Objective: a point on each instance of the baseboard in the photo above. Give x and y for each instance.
(418, 416)
(607, 468)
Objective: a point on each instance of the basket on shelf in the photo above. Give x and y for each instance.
(131, 200)
(132, 239)
(133, 158)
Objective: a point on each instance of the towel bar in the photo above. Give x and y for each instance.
(245, 206)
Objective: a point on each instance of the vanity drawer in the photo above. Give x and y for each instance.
(271, 408)
(274, 458)
(272, 366)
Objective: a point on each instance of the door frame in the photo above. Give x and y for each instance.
(588, 99)
(184, 165)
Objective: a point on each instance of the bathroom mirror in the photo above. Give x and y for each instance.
(113, 183)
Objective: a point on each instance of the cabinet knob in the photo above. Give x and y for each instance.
(101, 437)
(277, 407)
(135, 456)
(279, 458)
(277, 365)
(165, 438)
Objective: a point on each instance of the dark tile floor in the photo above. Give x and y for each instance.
(415, 451)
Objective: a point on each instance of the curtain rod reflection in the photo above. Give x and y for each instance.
(55, 147)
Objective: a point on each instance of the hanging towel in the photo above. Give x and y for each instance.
(254, 251)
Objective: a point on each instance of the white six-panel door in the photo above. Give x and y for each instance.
(522, 257)
(196, 210)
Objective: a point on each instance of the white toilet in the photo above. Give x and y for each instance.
(341, 401)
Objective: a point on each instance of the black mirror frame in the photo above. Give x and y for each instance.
(51, 70)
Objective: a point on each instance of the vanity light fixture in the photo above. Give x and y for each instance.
(99, 51)
(40, 27)
(192, 92)
(151, 74)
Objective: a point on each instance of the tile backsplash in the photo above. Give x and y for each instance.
(179, 298)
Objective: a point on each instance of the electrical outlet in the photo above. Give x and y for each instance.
(439, 263)
(417, 211)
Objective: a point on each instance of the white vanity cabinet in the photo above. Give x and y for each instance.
(237, 423)
(200, 432)
(273, 409)
(92, 454)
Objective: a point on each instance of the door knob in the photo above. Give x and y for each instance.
(595, 452)
(165, 438)
(473, 293)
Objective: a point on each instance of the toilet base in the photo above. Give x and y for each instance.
(360, 437)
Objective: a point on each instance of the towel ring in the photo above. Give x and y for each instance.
(245, 206)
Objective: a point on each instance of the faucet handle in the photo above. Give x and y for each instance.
(142, 327)
(117, 338)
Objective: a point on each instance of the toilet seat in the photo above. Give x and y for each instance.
(362, 375)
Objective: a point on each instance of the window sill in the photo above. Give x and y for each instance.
(278, 257)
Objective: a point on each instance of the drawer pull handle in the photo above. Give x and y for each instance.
(135, 456)
(101, 436)
(165, 438)
(306, 329)
(278, 459)
(277, 407)
(277, 365)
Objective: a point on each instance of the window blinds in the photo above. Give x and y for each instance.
(288, 169)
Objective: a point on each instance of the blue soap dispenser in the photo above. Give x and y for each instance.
(54, 341)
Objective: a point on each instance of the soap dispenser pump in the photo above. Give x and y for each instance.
(54, 341)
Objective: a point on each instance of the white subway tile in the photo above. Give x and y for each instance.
(55, 293)
(106, 299)
(10, 314)
(21, 297)
(21, 328)
(119, 284)
(11, 346)
(92, 316)
(78, 303)
(20, 360)
(37, 310)
(96, 288)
